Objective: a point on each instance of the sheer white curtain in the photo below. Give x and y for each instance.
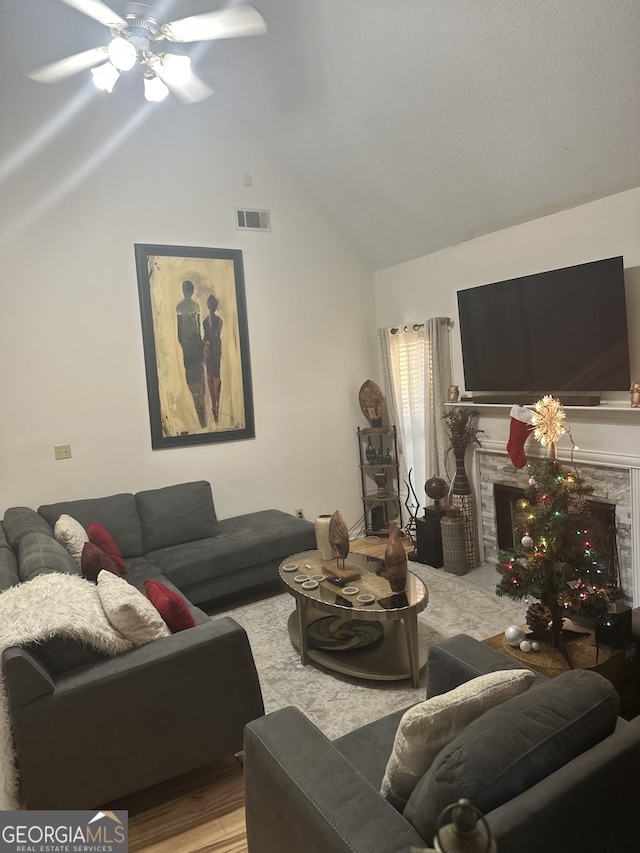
(416, 366)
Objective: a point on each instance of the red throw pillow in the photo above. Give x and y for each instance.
(172, 607)
(101, 537)
(93, 560)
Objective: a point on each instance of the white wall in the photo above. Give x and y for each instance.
(77, 192)
(427, 286)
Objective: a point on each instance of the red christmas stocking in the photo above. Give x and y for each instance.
(518, 434)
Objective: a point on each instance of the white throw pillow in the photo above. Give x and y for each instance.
(129, 611)
(429, 726)
(72, 535)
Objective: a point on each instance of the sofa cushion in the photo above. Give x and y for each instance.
(176, 514)
(368, 747)
(100, 536)
(39, 554)
(20, 520)
(72, 535)
(244, 541)
(8, 564)
(129, 611)
(117, 513)
(94, 560)
(171, 606)
(429, 726)
(515, 745)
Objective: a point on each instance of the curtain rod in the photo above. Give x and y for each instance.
(444, 321)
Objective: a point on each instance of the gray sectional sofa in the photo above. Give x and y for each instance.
(552, 769)
(90, 729)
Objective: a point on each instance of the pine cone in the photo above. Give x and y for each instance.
(538, 617)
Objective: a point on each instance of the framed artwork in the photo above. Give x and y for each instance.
(196, 344)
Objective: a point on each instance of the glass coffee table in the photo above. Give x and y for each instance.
(375, 637)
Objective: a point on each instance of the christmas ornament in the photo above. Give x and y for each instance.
(526, 541)
(514, 635)
(519, 430)
(546, 419)
(538, 617)
(525, 646)
(532, 481)
(535, 647)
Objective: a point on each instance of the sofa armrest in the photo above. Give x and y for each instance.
(142, 717)
(461, 658)
(29, 678)
(301, 793)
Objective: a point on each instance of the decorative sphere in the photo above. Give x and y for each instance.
(532, 481)
(514, 635)
(525, 646)
(535, 647)
(526, 542)
(436, 488)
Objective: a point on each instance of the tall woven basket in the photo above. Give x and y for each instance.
(454, 551)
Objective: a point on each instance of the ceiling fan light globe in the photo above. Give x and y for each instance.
(154, 89)
(105, 77)
(176, 69)
(122, 54)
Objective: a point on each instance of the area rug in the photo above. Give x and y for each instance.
(336, 703)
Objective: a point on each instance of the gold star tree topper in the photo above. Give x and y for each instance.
(546, 418)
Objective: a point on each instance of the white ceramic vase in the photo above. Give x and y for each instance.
(322, 537)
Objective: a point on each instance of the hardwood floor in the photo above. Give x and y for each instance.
(199, 812)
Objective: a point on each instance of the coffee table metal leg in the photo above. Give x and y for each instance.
(411, 630)
(301, 610)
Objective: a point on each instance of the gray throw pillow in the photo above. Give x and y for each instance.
(40, 554)
(429, 726)
(516, 745)
(20, 520)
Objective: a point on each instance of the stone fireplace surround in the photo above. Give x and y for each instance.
(614, 481)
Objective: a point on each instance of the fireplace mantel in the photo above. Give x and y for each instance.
(607, 411)
(586, 457)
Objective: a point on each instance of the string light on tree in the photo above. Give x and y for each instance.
(556, 561)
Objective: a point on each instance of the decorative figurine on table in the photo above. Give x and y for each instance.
(339, 541)
(453, 394)
(635, 395)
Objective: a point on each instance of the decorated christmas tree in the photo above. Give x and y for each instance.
(555, 557)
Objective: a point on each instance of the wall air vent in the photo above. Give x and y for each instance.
(253, 220)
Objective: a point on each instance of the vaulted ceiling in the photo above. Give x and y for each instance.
(417, 124)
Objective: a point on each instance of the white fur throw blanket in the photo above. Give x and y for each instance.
(51, 605)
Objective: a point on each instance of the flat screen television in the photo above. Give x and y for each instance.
(558, 331)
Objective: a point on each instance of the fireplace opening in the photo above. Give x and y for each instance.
(505, 500)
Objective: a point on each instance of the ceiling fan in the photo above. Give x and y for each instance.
(137, 40)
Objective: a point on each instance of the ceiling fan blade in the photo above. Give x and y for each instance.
(194, 90)
(98, 11)
(70, 65)
(183, 82)
(225, 23)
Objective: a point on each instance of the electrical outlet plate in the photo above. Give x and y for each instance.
(62, 451)
(299, 513)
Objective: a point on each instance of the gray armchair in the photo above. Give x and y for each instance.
(304, 792)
